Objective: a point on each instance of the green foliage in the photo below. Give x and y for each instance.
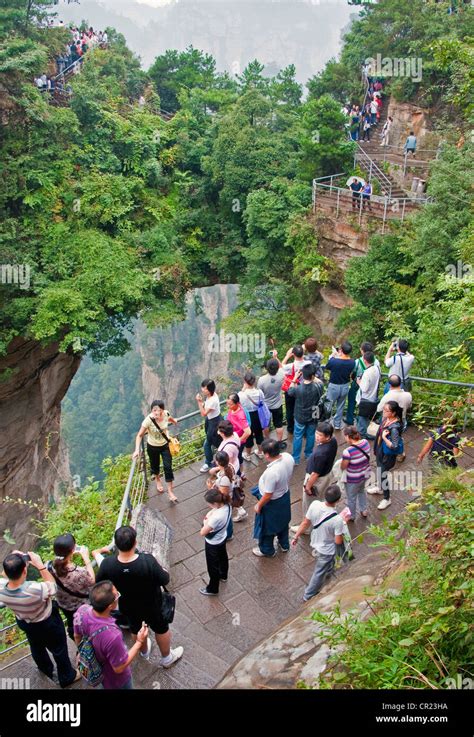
(421, 635)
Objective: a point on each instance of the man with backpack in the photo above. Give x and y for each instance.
(327, 531)
(104, 660)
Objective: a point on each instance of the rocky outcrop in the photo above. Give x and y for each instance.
(33, 462)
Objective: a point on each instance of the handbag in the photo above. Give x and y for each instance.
(168, 605)
(77, 594)
(367, 408)
(173, 443)
(264, 414)
(238, 494)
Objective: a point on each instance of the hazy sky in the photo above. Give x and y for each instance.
(277, 32)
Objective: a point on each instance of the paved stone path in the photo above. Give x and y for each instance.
(260, 594)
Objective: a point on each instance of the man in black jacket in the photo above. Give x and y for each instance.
(139, 577)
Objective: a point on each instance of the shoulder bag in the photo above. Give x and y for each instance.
(173, 443)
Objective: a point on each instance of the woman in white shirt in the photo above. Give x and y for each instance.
(250, 397)
(214, 531)
(155, 425)
(210, 409)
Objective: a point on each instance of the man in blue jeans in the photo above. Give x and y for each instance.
(341, 366)
(307, 396)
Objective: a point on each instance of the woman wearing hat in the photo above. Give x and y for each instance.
(73, 582)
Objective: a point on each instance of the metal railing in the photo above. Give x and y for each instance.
(373, 171)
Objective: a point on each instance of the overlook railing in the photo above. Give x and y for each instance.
(432, 400)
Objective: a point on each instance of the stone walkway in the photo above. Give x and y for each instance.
(260, 595)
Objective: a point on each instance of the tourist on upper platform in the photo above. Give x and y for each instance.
(73, 582)
(356, 464)
(273, 508)
(95, 622)
(373, 111)
(400, 363)
(410, 144)
(319, 467)
(210, 409)
(366, 195)
(387, 445)
(155, 426)
(214, 530)
(367, 395)
(250, 397)
(37, 614)
(442, 446)
(271, 385)
(341, 367)
(355, 186)
(139, 578)
(366, 126)
(397, 394)
(326, 527)
(386, 131)
(291, 369)
(307, 396)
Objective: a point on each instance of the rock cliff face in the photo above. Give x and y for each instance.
(33, 462)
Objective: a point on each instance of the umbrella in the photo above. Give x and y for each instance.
(359, 179)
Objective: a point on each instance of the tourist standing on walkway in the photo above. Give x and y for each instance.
(368, 393)
(356, 464)
(327, 529)
(366, 195)
(397, 394)
(400, 363)
(250, 397)
(387, 445)
(73, 582)
(224, 481)
(291, 369)
(95, 622)
(139, 578)
(341, 367)
(366, 129)
(273, 508)
(354, 387)
(230, 442)
(355, 186)
(442, 446)
(410, 144)
(37, 615)
(386, 131)
(319, 467)
(155, 425)
(271, 385)
(307, 396)
(313, 356)
(214, 531)
(373, 111)
(238, 419)
(210, 409)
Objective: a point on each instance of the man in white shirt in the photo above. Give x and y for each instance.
(327, 532)
(274, 507)
(401, 362)
(397, 394)
(368, 392)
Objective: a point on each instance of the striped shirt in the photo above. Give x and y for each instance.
(30, 602)
(359, 464)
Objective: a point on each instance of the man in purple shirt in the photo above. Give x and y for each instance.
(109, 645)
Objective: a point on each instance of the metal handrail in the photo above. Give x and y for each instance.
(376, 198)
(373, 168)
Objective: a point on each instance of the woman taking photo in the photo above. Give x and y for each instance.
(157, 446)
(210, 409)
(73, 582)
(387, 445)
(250, 397)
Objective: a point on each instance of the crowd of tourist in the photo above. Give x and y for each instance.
(127, 590)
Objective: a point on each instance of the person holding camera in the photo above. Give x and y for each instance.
(399, 361)
(270, 384)
(73, 582)
(291, 369)
(387, 445)
(37, 615)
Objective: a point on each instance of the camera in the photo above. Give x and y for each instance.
(26, 557)
(395, 344)
(78, 549)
